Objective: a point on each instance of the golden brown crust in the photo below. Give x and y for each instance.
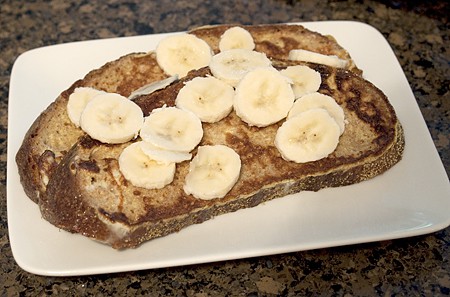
(89, 174)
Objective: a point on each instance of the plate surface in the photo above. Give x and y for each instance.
(410, 199)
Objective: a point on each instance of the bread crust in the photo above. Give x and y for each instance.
(79, 188)
(88, 195)
(78, 217)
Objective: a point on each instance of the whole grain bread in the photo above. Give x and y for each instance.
(52, 134)
(77, 184)
(89, 195)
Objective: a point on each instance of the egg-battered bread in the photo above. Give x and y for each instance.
(78, 185)
(52, 134)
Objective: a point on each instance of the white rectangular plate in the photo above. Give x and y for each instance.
(410, 199)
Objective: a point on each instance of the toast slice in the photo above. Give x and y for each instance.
(89, 195)
(52, 134)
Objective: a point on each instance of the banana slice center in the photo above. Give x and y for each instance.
(213, 172)
(172, 128)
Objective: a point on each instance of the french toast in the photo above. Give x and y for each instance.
(79, 187)
(52, 134)
(89, 195)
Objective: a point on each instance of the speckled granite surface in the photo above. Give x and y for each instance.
(418, 33)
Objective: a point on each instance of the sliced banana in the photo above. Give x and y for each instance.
(163, 156)
(212, 172)
(313, 57)
(231, 65)
(78, 100)
(142, 171)
(318, 100)
(181, 53)
(236, 37)
(305, 80)
(263, 97)
(309, 136)
(207, 97)
(152, 87)
(111, 118)
(172, 129)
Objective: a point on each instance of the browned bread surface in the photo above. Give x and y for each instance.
(52, 134)
(89, 195)
(79, 188)
(279, 39)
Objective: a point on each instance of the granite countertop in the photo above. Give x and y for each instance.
(418, 33)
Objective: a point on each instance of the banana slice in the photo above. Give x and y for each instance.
(309, 136)
(263, 97)
(78, 100)
(172, 129)
(142, 171)
(207, 97)
(111, 118)
(318, 100)
(236, 37)
(152, 87)
(179, 54)
(305, 80)
(231, 65)
(213, 172)
(313, 57)
(163, 156)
